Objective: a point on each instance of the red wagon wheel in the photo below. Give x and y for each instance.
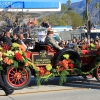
(17, 78)
(97, 73)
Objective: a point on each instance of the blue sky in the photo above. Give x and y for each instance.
(62, 1)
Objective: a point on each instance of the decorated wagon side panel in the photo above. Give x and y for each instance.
(42, 58)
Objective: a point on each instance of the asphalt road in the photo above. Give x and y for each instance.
(75, 88)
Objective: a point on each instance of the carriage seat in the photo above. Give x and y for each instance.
(47, 47)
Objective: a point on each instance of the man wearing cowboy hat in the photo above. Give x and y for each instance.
(50, 40)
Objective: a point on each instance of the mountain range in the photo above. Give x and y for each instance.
(80, 7)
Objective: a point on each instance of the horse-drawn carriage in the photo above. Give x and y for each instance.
(45, 62)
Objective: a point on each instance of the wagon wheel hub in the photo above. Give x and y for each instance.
(18, 75)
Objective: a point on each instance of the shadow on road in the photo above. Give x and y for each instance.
(75, 82)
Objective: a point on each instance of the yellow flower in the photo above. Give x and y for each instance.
(1, 49)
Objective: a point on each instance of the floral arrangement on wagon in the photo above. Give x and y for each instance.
(62, 69)
(92, 46)
(13, 56)
(66, 66)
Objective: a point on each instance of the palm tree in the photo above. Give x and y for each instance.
(88, 19)
(65, 9)
(96, 6)
(69, 4)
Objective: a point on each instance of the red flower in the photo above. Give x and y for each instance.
(18, 56)
(71, 65)
(6, 47)
(63, 63)
(42, 71)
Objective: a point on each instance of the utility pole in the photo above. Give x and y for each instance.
(88, 21)
(99, 13)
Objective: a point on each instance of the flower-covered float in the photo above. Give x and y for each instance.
(18, 65)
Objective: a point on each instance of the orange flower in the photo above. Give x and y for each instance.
(5, 60)
(8, 61)
(0, 54)
(21, 47)
(27, 63)
(47, 72)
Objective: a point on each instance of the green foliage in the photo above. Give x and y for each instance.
(63, 77)
(64, 17)
(15, 64)
(63, 8)
(66, 56)
(48, 67)
(45, 78)
(1, 68)
(76, 19)
(38, 80)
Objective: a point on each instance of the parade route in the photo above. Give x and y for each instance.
(73, 83)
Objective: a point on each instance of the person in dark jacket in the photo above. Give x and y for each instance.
(15, 39)
(6, 38)
(1, 37)
(4, 87)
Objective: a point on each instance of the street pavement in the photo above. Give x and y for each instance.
(75, 88)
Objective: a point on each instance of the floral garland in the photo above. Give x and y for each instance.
(90, 47)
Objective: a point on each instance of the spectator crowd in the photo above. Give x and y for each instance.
(22, 35)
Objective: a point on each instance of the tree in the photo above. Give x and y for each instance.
(96, 5)
(84, 16)
(68, 3)
(76, 19)
(63, 8)
(63, 18)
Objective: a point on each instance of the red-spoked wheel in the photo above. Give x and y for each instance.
(17, 78)
(97, 73)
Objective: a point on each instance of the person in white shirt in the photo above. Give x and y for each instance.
(21, 37)
(41, 36)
